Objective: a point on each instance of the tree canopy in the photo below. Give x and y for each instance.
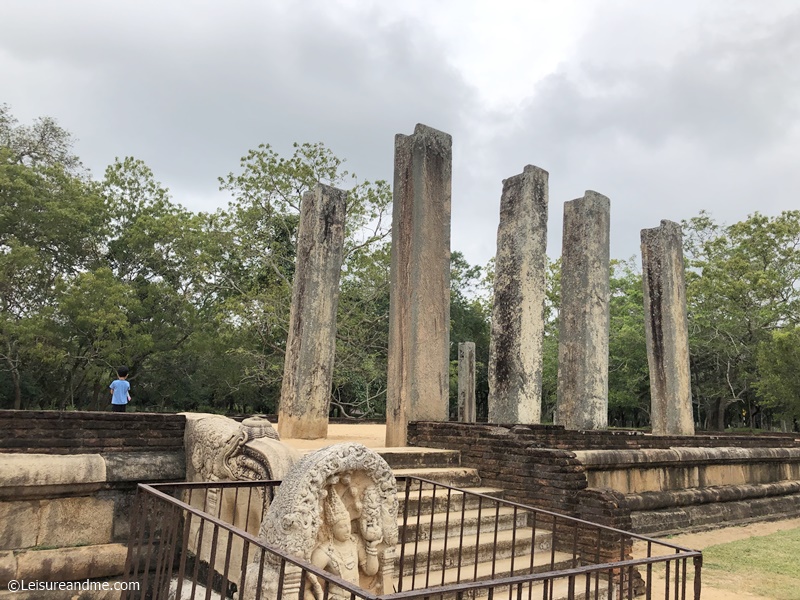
(96, 273)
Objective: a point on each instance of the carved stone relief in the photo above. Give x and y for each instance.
(221, 449)
(337, 509)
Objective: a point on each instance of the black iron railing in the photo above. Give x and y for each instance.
(199, 540)
(489, 545)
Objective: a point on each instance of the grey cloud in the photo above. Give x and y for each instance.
(665, 108)
(190, 94)
(666, 138)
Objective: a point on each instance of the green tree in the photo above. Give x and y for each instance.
(741, 285)
(44, 143)
(158, 257)
(470, 321)
(628, 374)
(49, 218)
(362, 337)
(779, 364)
(260, 228)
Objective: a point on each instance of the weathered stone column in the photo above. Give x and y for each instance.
(419, 302)
(667, 330)
(582, 400)
(310, 347)
(466, 382)
(515, 353)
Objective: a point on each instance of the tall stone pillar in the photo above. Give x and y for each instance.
(582, 400)
(419, 301)
(667, 330)
(310, 347)
(466, 382)
(515, 353)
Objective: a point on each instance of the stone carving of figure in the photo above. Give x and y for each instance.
(337, 509)
(344, 553)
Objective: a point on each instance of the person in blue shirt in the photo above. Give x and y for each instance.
(119, 390)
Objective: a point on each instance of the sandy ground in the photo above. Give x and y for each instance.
(371, 435)
(374, 436)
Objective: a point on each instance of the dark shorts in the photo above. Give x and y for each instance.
(118, 407)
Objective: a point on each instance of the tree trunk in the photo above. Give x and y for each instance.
(715, 415)
(13, 368)
(17, 389)
(96, 395)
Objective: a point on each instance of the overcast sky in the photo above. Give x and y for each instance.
(665, 107)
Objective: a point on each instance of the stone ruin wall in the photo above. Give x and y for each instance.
(67, 484)
(82, 432)
(647, 484)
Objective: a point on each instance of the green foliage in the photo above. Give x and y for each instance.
(778, 364)
(470, 319)
(42, 144)
(628, 375)
(742, 284)
(98, 273)
(48, 217)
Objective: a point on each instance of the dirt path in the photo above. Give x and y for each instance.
(700, 541)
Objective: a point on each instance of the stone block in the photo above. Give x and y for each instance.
(145, 466)
(72, 564)
(418, 371)
(584, 316)
(667, 330)
(311, 342)
(123, 512)
(29, 470)
(19, 524)
(8, 567)
(466, 382)
(77, 520)
(515, 355)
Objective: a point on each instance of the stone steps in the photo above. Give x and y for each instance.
(489, 545)
(418, 458)
(504, 567)
(454, 476)
(440, 525)
(426, 501)
(480, 549)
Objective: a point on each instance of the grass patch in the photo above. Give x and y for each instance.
(766, 565)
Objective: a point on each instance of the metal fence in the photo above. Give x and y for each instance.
(199, 540)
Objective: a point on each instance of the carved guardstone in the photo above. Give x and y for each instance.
(337, 509)
(221, 449)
